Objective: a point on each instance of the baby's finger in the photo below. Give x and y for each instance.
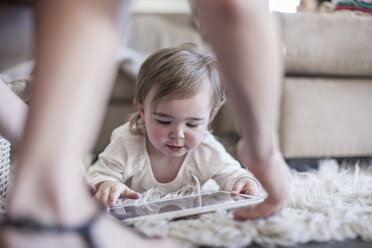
(250, 190)
(114, 195)
(238, 186)
(97, 195)
(130, 194)
(102, 196)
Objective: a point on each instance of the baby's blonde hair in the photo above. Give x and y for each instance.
(178, 72)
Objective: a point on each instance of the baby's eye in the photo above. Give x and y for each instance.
(163, 122)
(192, 125)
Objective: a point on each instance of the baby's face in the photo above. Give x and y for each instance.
(176, 126)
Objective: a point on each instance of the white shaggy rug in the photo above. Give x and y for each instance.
(331, 203)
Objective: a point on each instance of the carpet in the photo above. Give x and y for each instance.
(331, 203)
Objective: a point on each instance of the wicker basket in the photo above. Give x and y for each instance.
(4, 171)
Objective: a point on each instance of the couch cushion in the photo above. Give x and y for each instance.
(323, 117)
(327, 44)
(148, 33)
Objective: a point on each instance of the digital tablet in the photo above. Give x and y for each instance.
(183, 206)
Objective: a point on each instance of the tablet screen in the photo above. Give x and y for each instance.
(183, 206)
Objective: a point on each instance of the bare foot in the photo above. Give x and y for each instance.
(275, 177)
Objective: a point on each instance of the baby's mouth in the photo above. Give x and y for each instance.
(175, 148)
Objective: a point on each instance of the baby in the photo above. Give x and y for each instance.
(167, 143)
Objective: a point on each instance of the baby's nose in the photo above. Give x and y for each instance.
(177, 132)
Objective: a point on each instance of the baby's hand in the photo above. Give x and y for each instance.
(245, 185)
(108, 193)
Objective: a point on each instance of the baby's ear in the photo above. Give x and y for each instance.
(140, 109)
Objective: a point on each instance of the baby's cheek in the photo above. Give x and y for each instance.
(156, 135)
(195, 139)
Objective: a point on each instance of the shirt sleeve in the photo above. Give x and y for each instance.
(111, 162)
(105, 169)
(229, 174)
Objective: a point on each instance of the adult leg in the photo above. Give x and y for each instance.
(76, 63)
(244, 37)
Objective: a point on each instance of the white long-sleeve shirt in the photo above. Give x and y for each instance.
(126, 160)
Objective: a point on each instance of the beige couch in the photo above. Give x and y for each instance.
(326, 106)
